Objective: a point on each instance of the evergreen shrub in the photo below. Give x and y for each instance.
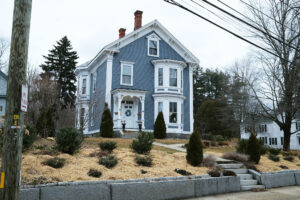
(108, 161)
(68, 140)
(253, 149)
(242, 146)
(144, 161)
(160, 127)
(30, 137)
(194, 149)
(274, 151)
(274, 158)
(55, 162)
(143, 144)
(106, 126)
(107, 146)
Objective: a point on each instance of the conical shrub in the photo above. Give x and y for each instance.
(253, 149)
(194, 149)
(160, 127)
(106, 126)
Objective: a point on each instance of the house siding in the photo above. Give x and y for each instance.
(143, 74)
(186, 104)
(3, 88)
(99, 95)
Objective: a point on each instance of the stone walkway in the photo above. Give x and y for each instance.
(284, 193)
(179, 147)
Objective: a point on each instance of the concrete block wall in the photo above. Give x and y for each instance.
(146, 189)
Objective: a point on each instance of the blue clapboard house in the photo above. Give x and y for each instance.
(138, 75)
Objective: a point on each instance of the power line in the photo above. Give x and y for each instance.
(243, 21)
(173, 2)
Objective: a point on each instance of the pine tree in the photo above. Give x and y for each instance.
(194, 149)
(61, 64)
(160, 127)
(253, 149)
(106, 126)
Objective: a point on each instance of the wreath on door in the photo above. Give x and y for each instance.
(128, 113)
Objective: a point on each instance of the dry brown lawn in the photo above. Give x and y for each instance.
(267, 165)
(77, 166)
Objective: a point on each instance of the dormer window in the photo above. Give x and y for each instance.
(153, 45)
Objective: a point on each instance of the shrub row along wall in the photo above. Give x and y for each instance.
(146, 189)
(278, 179)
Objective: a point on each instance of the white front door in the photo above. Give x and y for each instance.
(129, 113)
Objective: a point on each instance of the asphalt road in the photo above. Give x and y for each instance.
(284, 193)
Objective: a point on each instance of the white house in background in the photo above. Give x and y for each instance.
(270, 132)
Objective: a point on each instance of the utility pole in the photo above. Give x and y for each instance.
(14, 117)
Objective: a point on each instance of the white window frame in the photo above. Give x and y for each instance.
(173, 112)
(121, 79)
(84, 86)
(162, 69)
(92, 115)
(171, 68)
(157, 41)
(94, 82)
(162, 106)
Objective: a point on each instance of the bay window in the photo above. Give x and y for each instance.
(173, 112)
(160, 77)
(173, 78)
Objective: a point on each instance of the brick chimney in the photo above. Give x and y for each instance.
(138, 19)
(122, 32)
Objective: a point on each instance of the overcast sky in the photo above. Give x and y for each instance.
(91, 24)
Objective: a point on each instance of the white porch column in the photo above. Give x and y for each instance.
(119, 110)
(143, 111)
(109, 63)
(191, 98)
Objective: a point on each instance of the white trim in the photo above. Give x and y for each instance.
(144, 30)
(108, 81)
(121, 78)
(153, 37)
(191, 99)
(94, 82)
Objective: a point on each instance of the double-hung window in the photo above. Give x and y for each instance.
(160, 77)
(83, 91)
(173, 112)
(126, 74)
(160, 106)
(82, 117)
(152, 47)
(173, 77)
(297, 125)
(94, 82)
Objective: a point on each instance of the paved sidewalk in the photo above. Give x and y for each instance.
(284, 193)
(179, 147)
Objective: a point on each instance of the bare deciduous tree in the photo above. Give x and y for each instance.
(278, 84)
(4, 47)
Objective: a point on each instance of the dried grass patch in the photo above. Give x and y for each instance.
(77, 166)
(267, 165)
(172, 141)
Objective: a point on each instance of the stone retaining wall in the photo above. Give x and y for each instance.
(278, 179)
(146, 189)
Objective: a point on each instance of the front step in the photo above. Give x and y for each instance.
(239, 171)
(250, 187)
(245, 176)
(231, 166)
(248, 182)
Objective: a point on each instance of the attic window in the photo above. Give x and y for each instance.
(153, 45)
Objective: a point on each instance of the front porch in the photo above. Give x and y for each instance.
(128, 108)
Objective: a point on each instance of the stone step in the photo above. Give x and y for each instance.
(245, 176)
(231, 166)
(239, 171)
(249, 187)
(248, 182)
